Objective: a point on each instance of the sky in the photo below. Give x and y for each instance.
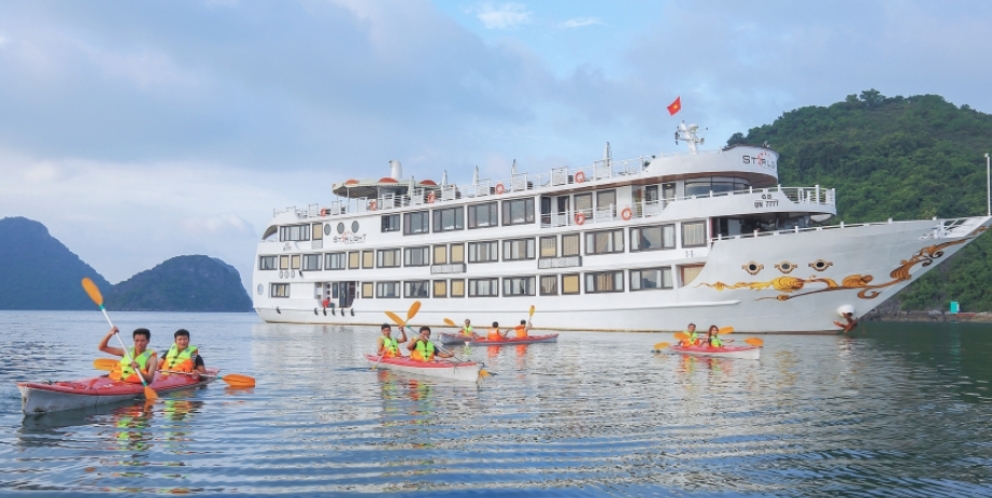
(140, 131)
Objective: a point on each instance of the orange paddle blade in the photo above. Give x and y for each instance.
(396, 318)
(237, 380)
(726, 330)
(450, 322)
(93, 291)
(532, 309)
(414, 308)
(484, 373)
(661, 345)
(150, 394)
(105, 364)
(754, 341)
(682, 336)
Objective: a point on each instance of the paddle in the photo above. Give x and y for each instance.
(410, 313)
(97, 298)
(234, 380)
(449, 322)
(754, 341)
(725, 330)
(658, 347)
(482, 372)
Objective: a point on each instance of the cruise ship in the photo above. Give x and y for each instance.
(646, 244)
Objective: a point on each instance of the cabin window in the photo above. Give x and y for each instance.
(514, 250)
(294, 233)
(703, 186)
(457, 253)
(604, 241)
(482, 215)
(457, 288)
(549, 285)
(334, 261)
(570, 284)
(583, 204)
(266, 262)
(549, 247)
(483, 252)
(483, 287)
(606, 281)
(417, 256)
(414, 223)
(387, 290)
(368, 259)
(440, 255)
(390, 223)
(388, 258)
(367, 290)
(518, 286)
(449, 219)
(440, 288)
(570, 245)
(694, 234)
(283, 262)
(518, 212)
(318, 231)
(295, 261)
(606, 200)
(652, 238)
(311, 262)
(651, 279)
(416, 289)
(279, 290)
(353, 259)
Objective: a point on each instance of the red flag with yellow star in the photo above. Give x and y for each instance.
(675, 106)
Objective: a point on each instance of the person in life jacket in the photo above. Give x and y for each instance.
(421, 348)
(387, 346)
(522, 329)
(137, 363)
(693, 337)
(182, 357)
(467, 329)
(495, 334)
(713, 338)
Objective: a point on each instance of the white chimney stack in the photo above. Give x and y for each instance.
(396, 170)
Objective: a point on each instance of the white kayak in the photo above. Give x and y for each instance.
(466, 371)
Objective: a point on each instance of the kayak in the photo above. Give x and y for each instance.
(44, 397)
(743, 352)
(449, 339)
(467, 371)
(511, 341)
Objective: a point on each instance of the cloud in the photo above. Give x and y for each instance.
(580, 22)
(503, 16)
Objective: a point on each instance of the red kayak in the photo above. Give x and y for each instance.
(511, 341)
(457, 370)
(744, 352)
(42, 397)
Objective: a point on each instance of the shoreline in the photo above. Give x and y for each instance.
(929, 316)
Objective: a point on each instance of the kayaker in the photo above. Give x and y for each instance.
(692, 338)
(713, 337)
(182, 357)
(387, 346)
(522, 329)
(850, 325)
(421, 348)
(467, 329)
(495, 334)
(139, 358)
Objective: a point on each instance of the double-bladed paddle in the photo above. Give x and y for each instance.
(233, 380)
(410, 313)
(403, 324)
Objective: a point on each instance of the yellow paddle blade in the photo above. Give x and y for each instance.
(93, 291)
(396, 318)
(754, 341)
(150, 394)
(726, 330)
(105, 364)
(661, 345)
(682, 336)
(238, 380)
(532, 310)
(414, 308)
(450, 322)
(484, 373)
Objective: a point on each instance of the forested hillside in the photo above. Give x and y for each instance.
(901, 158)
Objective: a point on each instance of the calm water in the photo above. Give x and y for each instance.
(902, 410)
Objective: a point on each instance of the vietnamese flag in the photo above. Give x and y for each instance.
(675, 106)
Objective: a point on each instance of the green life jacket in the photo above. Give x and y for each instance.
(127, 373)
(715, 342)
(467, 330)
(426, 350)
(391, 346)
(180, 362)
(692, 337)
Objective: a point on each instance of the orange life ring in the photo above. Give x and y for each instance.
(580, 177)
(626, 213)
(580, 218)
(499, 188)
(323, 212)
(373, 206)
(431, 198)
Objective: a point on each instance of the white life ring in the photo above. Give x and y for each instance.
(373, 205)
(626, 214)
(431, 198)
(499, 189)
(580, 177)
(580, 218)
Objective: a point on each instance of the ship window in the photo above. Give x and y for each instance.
(389, 258)
(367, 289)
(651, 279)
(387, 289)
(482, 252)
(689, 273)
(457, 253)
(457, 288)
(390, 223)
(294, 233)
(518, 249)
(483, 287)
(449, 219)
(318, 231)
(440, 288)
(694, 234)
(416, 289)
(583, 204)
(266, 262)
(703, 186)
(417, 256)
(606, 199)
(518, 212)
(311, 262)
(549, 247)
(269, 232)
(279, 290)
(549, 285)
(482, 215)
(570, 245)
(604, 241)
(368, 259)
(518, 286)
(440, 255)
(353, 259)
(295, 261)
(570, 284)
(414, 223)
(652, 238)
(606, 281)
(283, 262)
(334, 261)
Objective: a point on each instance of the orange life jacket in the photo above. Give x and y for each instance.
(494, 335)
(181, 361)
(521, 330)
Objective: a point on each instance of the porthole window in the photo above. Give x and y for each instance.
(327, 229)
(354, 227)
(786, 266)
(260, 289)
(820, 265)
(752, 267)
(340, 228)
